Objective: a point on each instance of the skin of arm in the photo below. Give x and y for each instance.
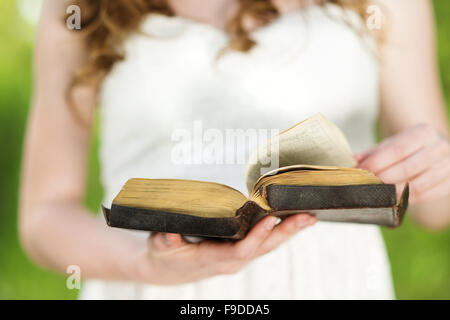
(54, 227)
(56, 231)
(412, 115)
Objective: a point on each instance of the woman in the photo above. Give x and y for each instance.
(231, 64)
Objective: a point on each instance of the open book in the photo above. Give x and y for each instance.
(315, 176)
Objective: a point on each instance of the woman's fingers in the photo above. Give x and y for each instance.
(419, 156)
(432, 183)
(161, 241)
(397, 148)
(245, 248)
(436, 192)
(360, 157)
(416, 164)
(286, 229)
(237, 255)
(230, 257)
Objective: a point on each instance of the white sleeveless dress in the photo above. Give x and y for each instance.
(305, 62)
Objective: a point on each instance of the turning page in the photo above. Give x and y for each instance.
(315, 141)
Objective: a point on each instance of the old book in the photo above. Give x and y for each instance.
(315, 176)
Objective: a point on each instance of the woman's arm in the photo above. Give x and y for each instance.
(413, 112)
(55, 229)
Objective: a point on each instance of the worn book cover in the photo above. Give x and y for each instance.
(316, 175)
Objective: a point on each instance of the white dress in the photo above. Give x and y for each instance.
(305, 62)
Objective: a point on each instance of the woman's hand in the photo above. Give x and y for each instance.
(420, 156)
(169, 260)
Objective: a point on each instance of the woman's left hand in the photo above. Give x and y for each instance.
(419, 155)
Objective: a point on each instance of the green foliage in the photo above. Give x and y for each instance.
(420, 259)
(19, 278)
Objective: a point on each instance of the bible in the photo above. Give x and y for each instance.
(316, 175)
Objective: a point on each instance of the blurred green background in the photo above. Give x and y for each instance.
(420, 259)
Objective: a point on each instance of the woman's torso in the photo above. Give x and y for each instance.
(173, 83)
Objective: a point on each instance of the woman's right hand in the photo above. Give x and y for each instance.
(169, 260)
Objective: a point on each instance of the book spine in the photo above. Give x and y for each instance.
(249, 214)
(161, 221)
(287, 197)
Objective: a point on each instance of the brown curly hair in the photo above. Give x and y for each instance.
(107, 23)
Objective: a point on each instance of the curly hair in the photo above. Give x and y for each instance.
(107, 23)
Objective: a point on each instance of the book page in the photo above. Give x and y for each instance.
(198, 198)
(315, 141)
